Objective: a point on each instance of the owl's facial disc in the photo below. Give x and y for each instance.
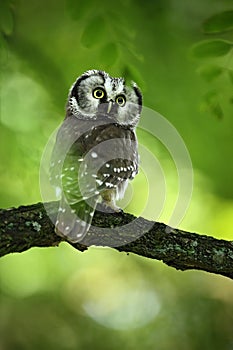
(95, 94)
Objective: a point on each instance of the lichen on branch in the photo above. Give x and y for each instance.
(29, 226)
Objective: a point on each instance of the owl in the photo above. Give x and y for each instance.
(96, 150)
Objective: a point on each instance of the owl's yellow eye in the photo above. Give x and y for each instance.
(98, 93)
(120, 100)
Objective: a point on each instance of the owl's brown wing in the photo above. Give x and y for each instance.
(68, 134)
(74, 214)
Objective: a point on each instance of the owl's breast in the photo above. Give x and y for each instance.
(112, 135)
(107, 154)
(112, 151)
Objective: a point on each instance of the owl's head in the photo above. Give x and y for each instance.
(95, 94)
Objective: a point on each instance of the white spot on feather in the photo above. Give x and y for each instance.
(94, 154)
(58, 191)
(109, 184)
(99, 182)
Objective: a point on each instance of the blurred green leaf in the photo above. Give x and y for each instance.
(211, 48)
(124, 30)
(219, 23)
(109, 54)
(210, 71)
(216, 109)
(131, 73)
(6, 18)
(211, 103)
(78, 9)
(94, 32)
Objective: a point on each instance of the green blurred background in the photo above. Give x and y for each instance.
(57, 298)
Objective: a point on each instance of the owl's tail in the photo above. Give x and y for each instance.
(73, 222)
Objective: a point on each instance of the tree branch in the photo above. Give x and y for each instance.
(29, 226)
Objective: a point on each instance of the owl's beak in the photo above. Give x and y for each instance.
(109, 106)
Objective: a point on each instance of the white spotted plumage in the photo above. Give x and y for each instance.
(96, 149)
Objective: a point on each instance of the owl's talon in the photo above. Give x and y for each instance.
(59, 233)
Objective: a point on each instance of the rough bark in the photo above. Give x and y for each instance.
(29, 226)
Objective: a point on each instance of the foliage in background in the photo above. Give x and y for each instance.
(220, 23)
(56, 298)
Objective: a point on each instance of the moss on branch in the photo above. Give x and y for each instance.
(29, 226)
